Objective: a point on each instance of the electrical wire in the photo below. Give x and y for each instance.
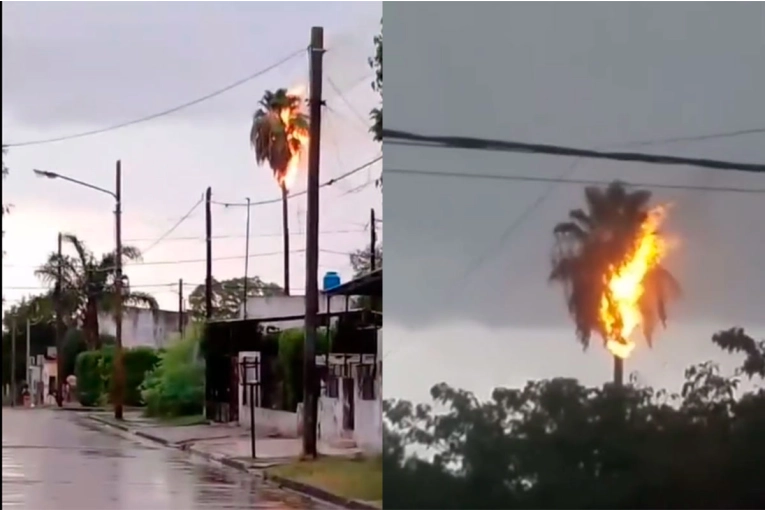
(562, 180)
(461, 142)
(356, 114)
(241, 236)
(330, 182)
(131, 285)
(162, 113)
(194, 261)
(177, 224)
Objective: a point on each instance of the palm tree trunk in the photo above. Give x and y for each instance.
(618, 371)
(91, 325)
(286, 232)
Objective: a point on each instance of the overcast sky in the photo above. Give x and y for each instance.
(70, 67)
(469, 305)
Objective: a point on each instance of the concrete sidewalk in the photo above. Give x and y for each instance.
(230, 445)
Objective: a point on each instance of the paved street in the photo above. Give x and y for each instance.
(53, 460)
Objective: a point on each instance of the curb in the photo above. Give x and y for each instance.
(298, 487)
(317, 493)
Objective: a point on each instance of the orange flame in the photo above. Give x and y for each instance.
(619, 310)
(297, 139)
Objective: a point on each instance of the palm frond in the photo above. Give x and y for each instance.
(142, 299)
(582, 218)
(86, 257)
(572, 230)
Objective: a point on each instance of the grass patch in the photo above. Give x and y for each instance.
(359, 479)
(184, 421)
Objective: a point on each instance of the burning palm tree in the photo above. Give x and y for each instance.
(279, 136)
(608, 258)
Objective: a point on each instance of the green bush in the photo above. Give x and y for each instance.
(291, 361)
(138, 362)
(94, 374)
(175, 387)
(89, 383)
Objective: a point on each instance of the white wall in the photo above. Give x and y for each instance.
(142, 327)
(367, 416)
(285, 306)
(268, 422)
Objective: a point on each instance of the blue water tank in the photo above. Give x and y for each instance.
(331, 280)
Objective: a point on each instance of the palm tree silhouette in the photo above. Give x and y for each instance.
(595, 239)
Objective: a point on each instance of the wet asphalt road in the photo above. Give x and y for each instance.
(56, 460)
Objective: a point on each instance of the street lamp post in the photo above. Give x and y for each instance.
(119, 368)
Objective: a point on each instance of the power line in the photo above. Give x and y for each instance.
(163, 112)
(697, 138)
(342, 97)
(194, 261)
(177, 224)
(462, 142)
(563, 180)
(330, 182)
(131, 285)
(569, 172)
(242, 236)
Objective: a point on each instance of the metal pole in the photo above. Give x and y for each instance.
(180, 306)
(252, 419)
(119, 361)
(246, 261)
(208, 237)
(59, 324)
(28, 352)
(310, 391)
(13, 361)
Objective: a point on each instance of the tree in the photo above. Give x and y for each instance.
(558, 444)
(361, 260)
(376, 114)
(38, 310)
(596, 239)
(278, 131)
(228, 296)
(88, 285)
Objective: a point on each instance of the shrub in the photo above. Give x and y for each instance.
(291, 361)
(138, 362)
(175, 387)
(89, 384)
(94, 374)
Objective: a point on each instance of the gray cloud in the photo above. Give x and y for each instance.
(581, 75)
(115, 62)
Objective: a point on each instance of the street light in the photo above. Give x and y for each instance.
(119, 368)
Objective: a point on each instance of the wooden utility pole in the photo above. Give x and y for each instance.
(286, 232)
(13, 360)
(59, 294)
(208, 238)
(311, 383)
(372, 240)
(180, 306)
(119, 360)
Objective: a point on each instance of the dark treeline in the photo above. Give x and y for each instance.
(558, 444)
